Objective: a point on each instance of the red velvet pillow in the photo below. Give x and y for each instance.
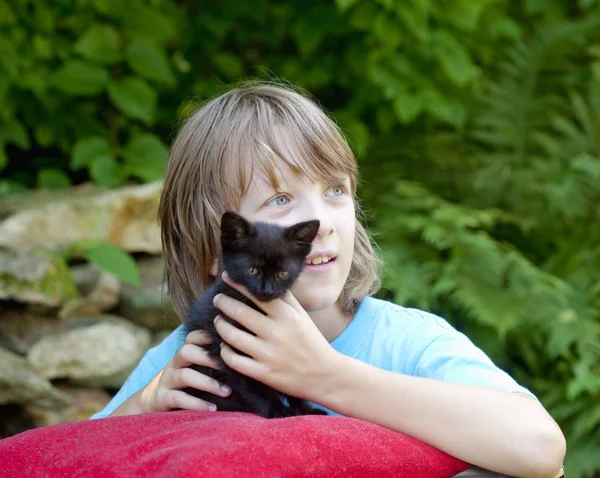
(205, 444)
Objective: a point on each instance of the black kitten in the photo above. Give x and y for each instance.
(266, 259)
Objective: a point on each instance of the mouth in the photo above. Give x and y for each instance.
(319, 263)
(318, 259)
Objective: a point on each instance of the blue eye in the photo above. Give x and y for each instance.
(336, 190)
(279, 201)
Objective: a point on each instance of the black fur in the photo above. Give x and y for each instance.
(253, 254)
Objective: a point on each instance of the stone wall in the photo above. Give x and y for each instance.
(70, 335)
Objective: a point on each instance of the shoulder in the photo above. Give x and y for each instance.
(394, 337)
(423, 344)
(404, 323)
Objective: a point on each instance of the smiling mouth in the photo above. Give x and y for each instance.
(316, 261)
(315, 265)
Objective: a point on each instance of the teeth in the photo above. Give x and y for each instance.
(319, 260)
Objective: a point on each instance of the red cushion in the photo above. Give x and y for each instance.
(204, 444)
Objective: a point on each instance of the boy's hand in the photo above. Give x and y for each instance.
(165, 392)
(288, 353)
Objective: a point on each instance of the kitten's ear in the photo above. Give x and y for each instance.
(234, 230)
(303, 233)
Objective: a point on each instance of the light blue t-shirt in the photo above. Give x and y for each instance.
(382, 334)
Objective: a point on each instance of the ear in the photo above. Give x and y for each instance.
(303, 233)
(234, 230)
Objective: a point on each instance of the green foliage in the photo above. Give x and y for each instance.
(477, 124)
(83, 85)
(499, 229)
(108, 258)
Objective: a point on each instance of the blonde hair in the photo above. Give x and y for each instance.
(255, 129)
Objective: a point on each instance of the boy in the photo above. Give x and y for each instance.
(271, 154)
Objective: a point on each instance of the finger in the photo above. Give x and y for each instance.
(178, 399)
(190, 354)
(244, 365)
(241, 340)
(271, 308)
(198, 337)
(243, 314)
(290, 300)
(188, 377)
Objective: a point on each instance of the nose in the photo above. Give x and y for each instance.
(317, 211)
(326, 227)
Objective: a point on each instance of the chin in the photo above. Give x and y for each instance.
(313, 303)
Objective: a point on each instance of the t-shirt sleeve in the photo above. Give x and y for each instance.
(452, 357)
(153, 361)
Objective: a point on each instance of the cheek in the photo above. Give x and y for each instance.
(347, 232)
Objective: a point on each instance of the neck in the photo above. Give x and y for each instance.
(331, 321)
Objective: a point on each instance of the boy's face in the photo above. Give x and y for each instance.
(321, 282)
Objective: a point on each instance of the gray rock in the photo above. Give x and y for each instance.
(36, 277)
(83, 403)
(126, 217)
(99, 355)
(148, 304)
(21, 385)
(20, 329)
(99, 292)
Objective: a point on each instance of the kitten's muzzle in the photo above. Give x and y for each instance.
(267, 296)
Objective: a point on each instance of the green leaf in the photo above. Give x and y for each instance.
(111, 259)
(112, 8)
(87, 150)
(135, 98)
(387, 30)
(106, 172)
(455, 60)
(44, 134)
(146, 157)
(10, 188)
(407, 105)
(148, 60)
(14, 132)
(151, 24)
(355, 131)
(79, 78)
(100, 43)
(3, 158)
(361, 17)
(344, 5)
(229, 64)
(445, 109)
(307, 37)
(52, 179)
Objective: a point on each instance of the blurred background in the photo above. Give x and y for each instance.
(477, 128)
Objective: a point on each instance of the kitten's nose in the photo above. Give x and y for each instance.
(267, 293)
(267, 289)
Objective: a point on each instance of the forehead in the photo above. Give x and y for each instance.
(281, 156)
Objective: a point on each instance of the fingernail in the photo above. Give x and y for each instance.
(212, 407)
(225, 275)
(217, 318)
(215, 298)
(222, 344)
(225, 389)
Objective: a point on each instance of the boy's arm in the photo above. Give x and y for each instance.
(498, 430)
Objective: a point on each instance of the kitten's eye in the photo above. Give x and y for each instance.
(282, 274)
(252, 271)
